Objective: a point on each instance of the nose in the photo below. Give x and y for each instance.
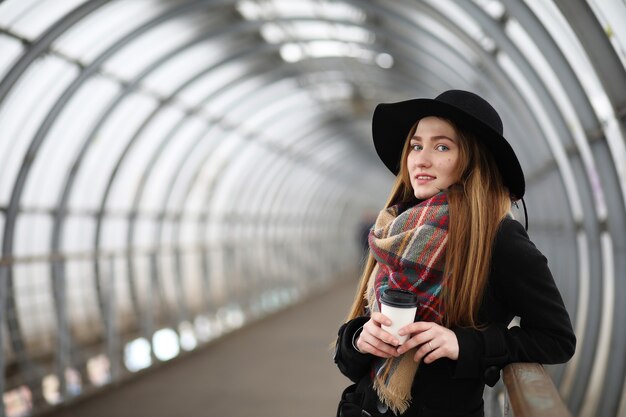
(422, 159)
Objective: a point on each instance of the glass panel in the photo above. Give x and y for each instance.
(15, 10)
(441, 32)
(145, 229)
(133, 168)
(281, 99)
(303, 8)
(104, 152)
(551, 82)
(612, 15)
(32, 234)
(464, 22)
(216, 79)
(78, 234)
(552, 137)
(493, 8)
(150, 46)
(262, 93)
(113, 234)
(31, 20)
(579, 61)
(24, 110)
(11, 49)
(307, 30)
(198, 174)
(35, 307)
(82, 302)
(168, 161)
(105, 26)
(59, 149)
(184, 66)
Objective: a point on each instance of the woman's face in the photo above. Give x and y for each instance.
(432, 157)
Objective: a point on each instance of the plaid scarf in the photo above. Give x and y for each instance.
(409, 247)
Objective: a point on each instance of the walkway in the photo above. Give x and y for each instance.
(279, 367)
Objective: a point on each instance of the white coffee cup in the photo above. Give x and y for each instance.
(400, 307)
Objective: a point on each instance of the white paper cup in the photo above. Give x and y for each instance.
(400, 307)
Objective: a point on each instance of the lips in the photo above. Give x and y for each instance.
(424, 177)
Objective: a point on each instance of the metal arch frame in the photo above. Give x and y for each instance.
(130, 87)
(273, 186)
(249, 25)
(148, 169)
(487, 60)
(530, 75)
(593, 129)
(556, 115)
(118, 45)
(170, 134)
(191, 183)
(14, 74)
(64, 198)
(496, 31)
(168, 188)
(490, 22)
(55, 271)
(43, 43)
(7, 304)
(208, 193)
(605, 61)
(612, 76)
(495, 72)
(122, 158)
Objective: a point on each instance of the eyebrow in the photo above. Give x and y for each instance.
(435, 137)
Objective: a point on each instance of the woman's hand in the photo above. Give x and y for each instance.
(373, 339)
(434, 341)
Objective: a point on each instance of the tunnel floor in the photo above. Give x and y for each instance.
(280, 366)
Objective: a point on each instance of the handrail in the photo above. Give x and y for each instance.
(531, 392)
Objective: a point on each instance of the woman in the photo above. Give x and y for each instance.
(446, 234)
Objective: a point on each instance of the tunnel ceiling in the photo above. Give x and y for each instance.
(166, 142)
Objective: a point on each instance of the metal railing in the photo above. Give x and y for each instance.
(530, 392)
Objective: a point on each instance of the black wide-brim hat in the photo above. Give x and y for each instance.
(392, 122)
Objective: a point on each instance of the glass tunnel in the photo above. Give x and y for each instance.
(172, 170)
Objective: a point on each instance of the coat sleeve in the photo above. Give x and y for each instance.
(351, 362)
(523, 285)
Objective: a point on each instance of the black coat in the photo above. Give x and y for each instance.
(520, 284)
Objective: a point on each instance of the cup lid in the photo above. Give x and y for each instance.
(398, 298)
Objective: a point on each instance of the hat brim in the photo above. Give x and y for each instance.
(392, 122)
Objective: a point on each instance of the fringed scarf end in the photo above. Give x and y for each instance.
(396, 401)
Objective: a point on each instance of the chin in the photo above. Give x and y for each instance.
(423, 195)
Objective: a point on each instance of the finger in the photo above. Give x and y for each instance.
(380, 318)
(426, 349)
(377, 344)
(374, 351)
(381, 334)
(417, 327)
(433, 355)
(409, 344)
(417, 340)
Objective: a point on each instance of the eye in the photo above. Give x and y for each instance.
(416, 147)
(442, 148)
